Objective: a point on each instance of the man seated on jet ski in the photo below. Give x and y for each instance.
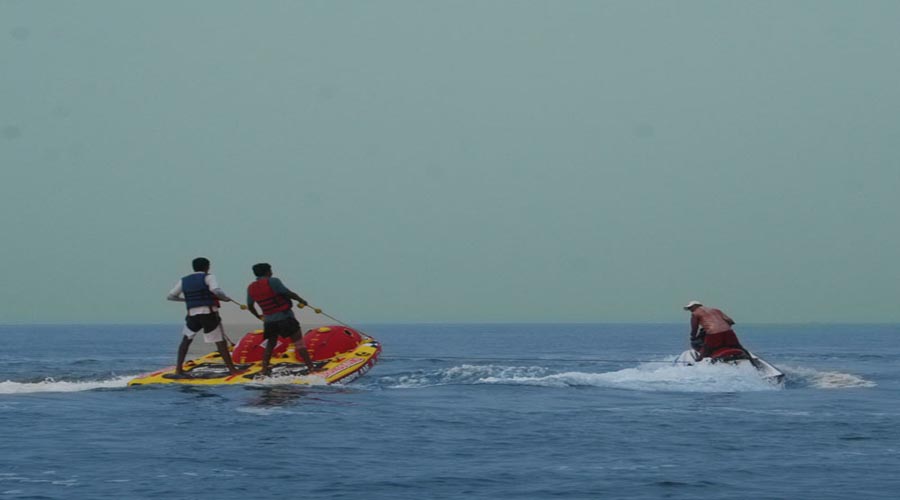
(711, 330)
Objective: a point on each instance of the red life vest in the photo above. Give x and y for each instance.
(261, 292)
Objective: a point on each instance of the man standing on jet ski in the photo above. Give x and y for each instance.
(711, 329)
(278, 320)
(201, 294)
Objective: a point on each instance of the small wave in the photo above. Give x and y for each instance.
(653, 377)
(257, 410)
(646, 377)
(51, 385)
(826, 380)
(459, 375)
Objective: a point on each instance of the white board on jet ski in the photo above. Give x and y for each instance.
(766, 370)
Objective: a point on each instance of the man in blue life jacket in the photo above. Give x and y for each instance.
(278, 319)
(201, 294)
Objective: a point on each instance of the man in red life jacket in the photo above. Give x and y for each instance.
(278, 319)
(715, 327)
(201, 294)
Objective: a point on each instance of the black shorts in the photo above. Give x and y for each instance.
(281, 328)
(208, 322)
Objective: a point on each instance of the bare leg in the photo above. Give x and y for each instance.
(300, 349)
(267, 356)
(182, 352)
(223, 351)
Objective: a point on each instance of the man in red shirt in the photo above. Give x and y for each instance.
(278, 320)
(711, 329)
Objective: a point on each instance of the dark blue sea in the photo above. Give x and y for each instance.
(460, 411)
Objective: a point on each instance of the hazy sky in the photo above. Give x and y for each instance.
(454, 160)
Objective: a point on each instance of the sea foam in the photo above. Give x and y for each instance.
(51, 385)
(645, 377)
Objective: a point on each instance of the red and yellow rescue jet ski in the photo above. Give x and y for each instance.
(340, 354)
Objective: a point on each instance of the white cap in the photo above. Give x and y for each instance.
(689, 305)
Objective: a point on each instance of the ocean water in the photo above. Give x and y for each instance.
(459, 411)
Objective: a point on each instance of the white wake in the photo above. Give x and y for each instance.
(51, 385)
(645, 377)
(826, 379)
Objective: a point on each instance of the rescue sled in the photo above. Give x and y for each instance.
(734, 357)
(340, 355)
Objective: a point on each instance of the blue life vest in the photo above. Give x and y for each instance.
(196, 293)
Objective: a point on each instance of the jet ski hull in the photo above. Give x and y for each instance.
(339, 354)
(765, 369)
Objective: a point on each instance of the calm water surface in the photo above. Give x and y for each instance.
(453, 411)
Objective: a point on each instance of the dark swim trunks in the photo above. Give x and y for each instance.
(281, 328)
(712, 343)
(208, 322)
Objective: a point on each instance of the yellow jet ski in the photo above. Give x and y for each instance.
(340, 354)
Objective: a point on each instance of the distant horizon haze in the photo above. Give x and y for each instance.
(430, 162)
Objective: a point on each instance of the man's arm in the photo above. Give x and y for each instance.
(296, 297)
(695, 326)
(175, 293)
(279, 288)
(251, 306)
(728, 319)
